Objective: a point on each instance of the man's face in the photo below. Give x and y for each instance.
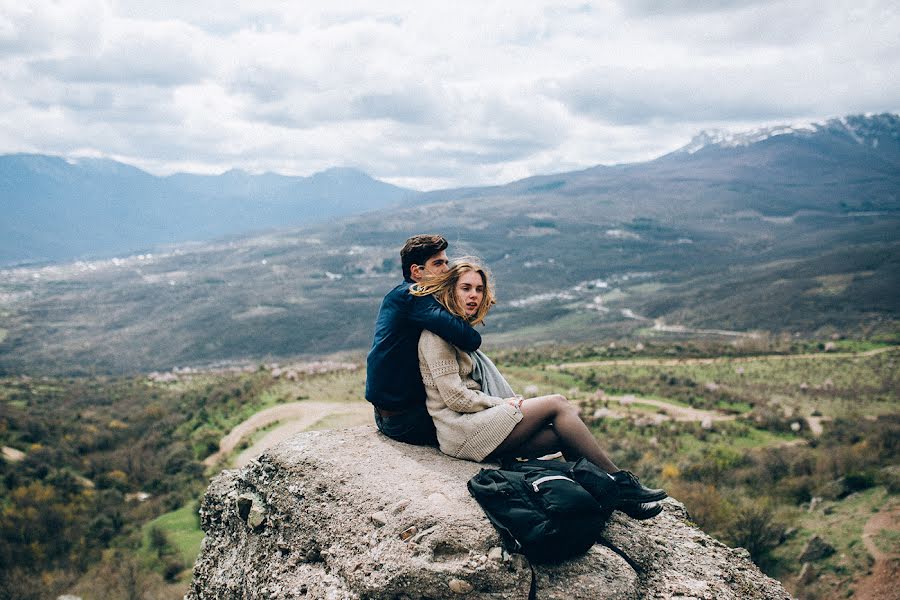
(437, 264)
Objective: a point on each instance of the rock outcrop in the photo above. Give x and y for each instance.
(351, 514)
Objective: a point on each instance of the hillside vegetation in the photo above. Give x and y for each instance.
(783, 442)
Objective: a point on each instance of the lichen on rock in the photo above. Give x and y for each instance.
(351, 514)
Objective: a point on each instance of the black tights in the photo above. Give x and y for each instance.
(550, 424)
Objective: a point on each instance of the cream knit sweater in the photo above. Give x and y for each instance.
(470, 424)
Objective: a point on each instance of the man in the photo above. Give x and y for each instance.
(393, 383)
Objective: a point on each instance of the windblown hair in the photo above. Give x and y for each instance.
(418, 249)
(443, 288)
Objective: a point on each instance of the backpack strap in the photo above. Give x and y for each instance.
(532, 591)
(604, 542)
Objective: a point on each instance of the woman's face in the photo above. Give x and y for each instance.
(470, 292)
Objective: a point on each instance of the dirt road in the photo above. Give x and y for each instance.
(674, 362)
(294, 418)
(674, 412)
(881, 584)
(659, 325)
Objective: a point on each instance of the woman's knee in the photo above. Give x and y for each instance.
(561, 403)
(547, 407)
(554, 400)
(563, 406)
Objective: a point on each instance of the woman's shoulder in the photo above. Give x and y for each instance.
(429, 339)
(431, 343)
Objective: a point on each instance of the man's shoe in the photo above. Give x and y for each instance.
(641, 511)
(631, 490)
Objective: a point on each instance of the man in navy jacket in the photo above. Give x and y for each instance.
(393, 383)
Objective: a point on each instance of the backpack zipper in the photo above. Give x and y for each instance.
(541, 480)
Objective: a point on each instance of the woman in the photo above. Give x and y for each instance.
(475, 421)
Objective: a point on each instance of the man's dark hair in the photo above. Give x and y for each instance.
(418, 249)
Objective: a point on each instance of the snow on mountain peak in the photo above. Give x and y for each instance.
(726, 139)
(864, 129)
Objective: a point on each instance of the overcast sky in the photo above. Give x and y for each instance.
(427, 94)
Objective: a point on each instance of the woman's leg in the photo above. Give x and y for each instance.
(544, 441)
(529, 436)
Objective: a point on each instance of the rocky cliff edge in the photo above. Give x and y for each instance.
(351, 514)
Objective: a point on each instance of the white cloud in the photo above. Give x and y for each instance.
(691, 7)
(157, 53)
(427, 94)
(28, 28)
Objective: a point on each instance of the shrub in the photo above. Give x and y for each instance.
(755, 528)
(205, 441)
(889, 477)
(718, 460)
(159, 541)
(172, 568)
(704, 503)
(855, 482)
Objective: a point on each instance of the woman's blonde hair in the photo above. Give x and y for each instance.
(443, 288)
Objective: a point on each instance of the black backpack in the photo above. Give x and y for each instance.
(548, 510)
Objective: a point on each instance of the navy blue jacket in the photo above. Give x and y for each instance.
(393, 381)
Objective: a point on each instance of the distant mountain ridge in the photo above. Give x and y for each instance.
(796, 232)
(843, 165)
(54, 209)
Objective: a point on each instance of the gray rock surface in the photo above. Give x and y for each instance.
(351, 514)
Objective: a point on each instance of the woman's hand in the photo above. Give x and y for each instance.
(516, 401)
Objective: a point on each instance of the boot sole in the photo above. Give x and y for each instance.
(644, 499)
(643, 515)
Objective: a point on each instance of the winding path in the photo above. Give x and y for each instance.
(294, 418)
(674, 411)
(674, 362)
(659, 325)
(881, 583)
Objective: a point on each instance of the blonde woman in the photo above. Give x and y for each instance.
(476, 413)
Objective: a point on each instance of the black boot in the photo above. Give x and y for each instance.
(631, 490)
(641, 511)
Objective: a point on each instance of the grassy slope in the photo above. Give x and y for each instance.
(182, 528)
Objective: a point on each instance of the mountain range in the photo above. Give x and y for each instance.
(54, 209)
(793, 230)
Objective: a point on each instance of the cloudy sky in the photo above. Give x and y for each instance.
(427, 94)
